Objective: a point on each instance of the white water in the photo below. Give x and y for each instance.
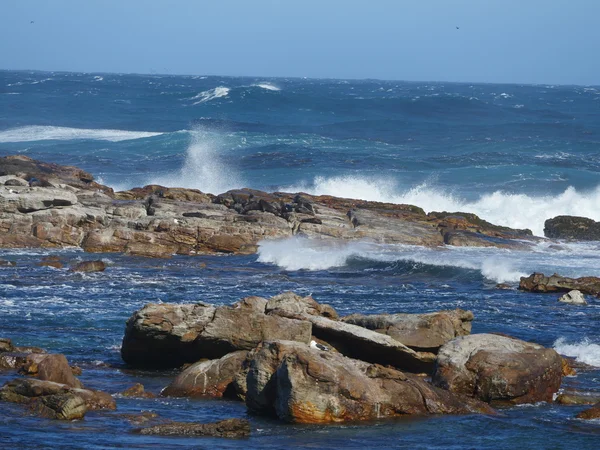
(211, 94)
(267, 86)
(584, 351)
(42, 133)
(204, 167)
(500, 208)
(498, 265)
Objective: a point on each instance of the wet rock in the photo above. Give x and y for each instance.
(137, 390)
(212, 378)
(304, 385)
(51, 367)
(361, 343)
(51, 261)
(291, 303)
(4, 263)
(27, 390)
(590, 414)
(567, 368)
(141, 418)
(67, 406)
(572, 228)
(538, 282)
(171, 335)
(89, 266)
(230, 428)
(420, 332)
(504, 286)
(578, 398)
(574, 297)
(496, 368)
(6, 345)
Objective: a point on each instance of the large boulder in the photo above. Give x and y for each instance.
(230, 428)
(361, 343)
(212, 378)
(166, 335)
(300, 384)
(572, 228)
(67, 406)
(574, 298)
(291, 303)
(421, 332)
(496, 368)
(538, 282)
(28, 200)
(51, 367)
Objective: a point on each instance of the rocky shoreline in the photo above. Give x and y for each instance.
(50, 206)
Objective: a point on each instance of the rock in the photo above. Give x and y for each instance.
(257, 304)
(139, 419)
(51, 261)
(52, 367)
(4, 263)
(590, 414)
(361, 343)
(67, 406)
(574, 297)
(89, 266)
(137, 390)
(168, 335)
(572, 228)
(504, 286)
(567, 368)
(304, 385)
(577, 398)
(35, 199)
(6, 345)
(291, 303)
(496, 368)
(230, 428)
(212, 378)
(538, 282)
(420, 332)
(27, 390)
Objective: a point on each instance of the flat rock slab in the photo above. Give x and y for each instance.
(538, 282)
(230, 428)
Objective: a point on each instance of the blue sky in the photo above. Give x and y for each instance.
(514, 41)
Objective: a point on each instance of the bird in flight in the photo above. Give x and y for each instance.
(458, 28)
(32, 21)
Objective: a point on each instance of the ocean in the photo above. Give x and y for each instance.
(515, 155)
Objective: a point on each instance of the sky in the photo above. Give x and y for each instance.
(507, 41)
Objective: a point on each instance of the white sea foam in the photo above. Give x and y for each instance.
(43, 133)
(267, 86)
(203, 167)
(584, 351)
(497, 265)
(211, 94)
(501, 208)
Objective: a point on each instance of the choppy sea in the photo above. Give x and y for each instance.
(515, 155)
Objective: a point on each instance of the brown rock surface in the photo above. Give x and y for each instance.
(305, 385)
(230, 428)
(212, 378)
(538, 282)
(590, 414)
(89, 266)
(496, 368)
(421, 332)
(137, 390)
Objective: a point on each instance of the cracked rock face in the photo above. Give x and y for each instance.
(305, 385)
(496, 368)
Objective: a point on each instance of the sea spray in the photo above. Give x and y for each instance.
(584, 351)
(501, 208)
(203, 167)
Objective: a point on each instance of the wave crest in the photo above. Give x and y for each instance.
(500, 208)
(267, 86)
(211, 94)
(584, 351)
(44, 133)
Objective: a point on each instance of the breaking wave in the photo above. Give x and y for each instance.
(211, 94)
(44, 133)
(267, 86)
(500, 208)
(584, 351)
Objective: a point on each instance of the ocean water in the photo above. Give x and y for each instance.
(514, 154)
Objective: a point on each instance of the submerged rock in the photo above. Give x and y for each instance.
(89, 266)
(496, 368)
(538, 282)
(230, 428)
(574, 297)
(578, 398)
(67, 406)
(304, 385)
(421, 332)
(137, 390)
(590, 414)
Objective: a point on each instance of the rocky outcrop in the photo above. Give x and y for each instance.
(538, 282)
(137, 391)
(51, 367)
(89, 266)
(212, 378)
(578, 398)
(46, 205)
(572, 228)
(496, 368)
(591, 413)
(55, 400)
(291, 303)
(420, 332)
(230, 428)
(304, 385)
(168, 335)
(573, 297)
